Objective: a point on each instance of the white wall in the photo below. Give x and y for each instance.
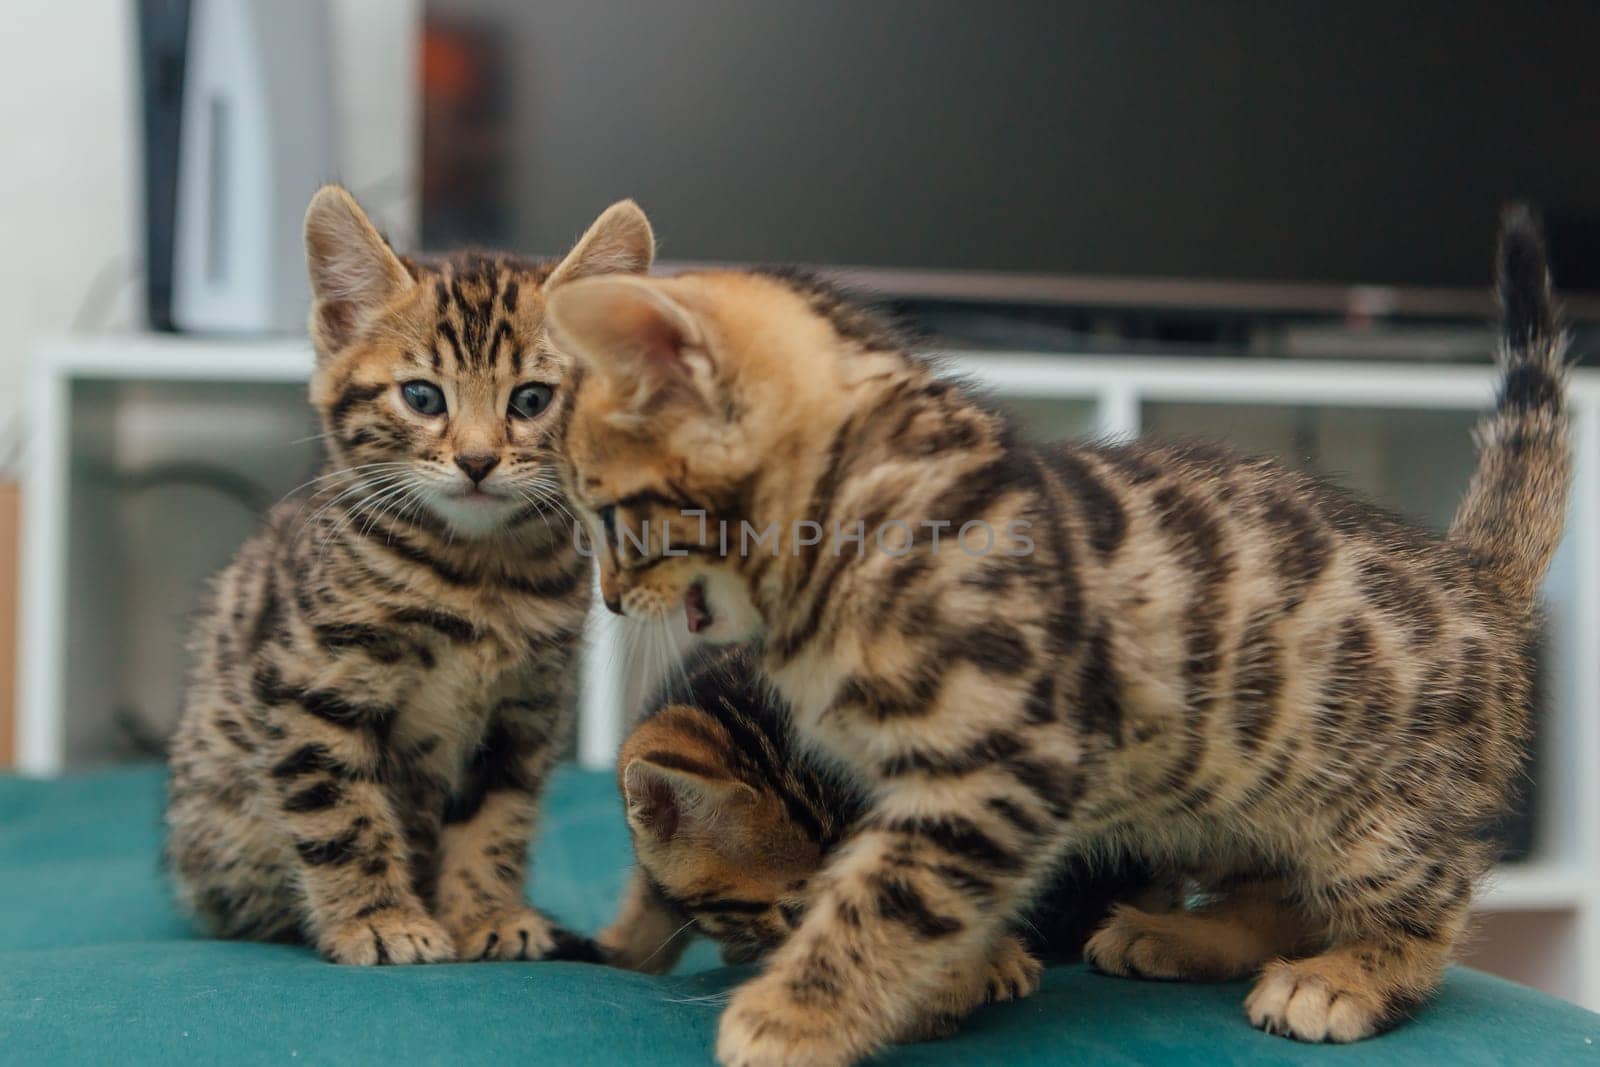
(70, 188)
(68, 167)
(376, 79)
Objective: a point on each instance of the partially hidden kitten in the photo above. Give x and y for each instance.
(1221, 666)
(385, 672)
(731, 821)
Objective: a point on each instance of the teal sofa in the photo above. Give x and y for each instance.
(96, 966)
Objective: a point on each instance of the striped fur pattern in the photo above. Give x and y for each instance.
(731, 822)
(1226, 668)
(385, 672)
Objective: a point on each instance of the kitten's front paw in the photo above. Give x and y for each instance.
(1315, 999)
(524, 934)
(394, 935)
(1013, 972)
(764, 1026)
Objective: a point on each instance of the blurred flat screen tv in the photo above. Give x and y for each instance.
(1019, 149)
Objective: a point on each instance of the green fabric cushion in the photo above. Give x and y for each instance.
(97, 966)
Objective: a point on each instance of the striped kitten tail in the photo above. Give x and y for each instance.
(1515, 508)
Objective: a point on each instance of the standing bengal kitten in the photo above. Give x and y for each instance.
(1225, 667)
(386, 672)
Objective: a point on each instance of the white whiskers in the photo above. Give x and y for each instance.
(670, 939)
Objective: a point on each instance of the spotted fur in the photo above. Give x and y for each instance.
(385, 672)
(1224, 667)
(731, 821)
(725, 807)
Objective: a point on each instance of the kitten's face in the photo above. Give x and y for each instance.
(702, 389)
(436, 383)
(720, 849)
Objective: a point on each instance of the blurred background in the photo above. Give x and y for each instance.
(1266, 224)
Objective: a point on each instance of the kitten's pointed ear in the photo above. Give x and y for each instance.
(354, 272)
(665, 801)
(619, 242)
(623, 326)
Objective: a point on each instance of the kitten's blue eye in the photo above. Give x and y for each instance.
(424, 398)
(528, 400)
(608, 519)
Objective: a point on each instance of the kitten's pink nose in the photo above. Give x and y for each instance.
(477, 464)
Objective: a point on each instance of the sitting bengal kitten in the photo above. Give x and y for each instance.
(731, 822)
(386, 671)
(1222, 666)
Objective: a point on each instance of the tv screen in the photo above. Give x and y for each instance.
(1357, 143)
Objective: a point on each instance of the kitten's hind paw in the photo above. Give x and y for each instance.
(394, 935)
(1136, 944)
(1183, 947)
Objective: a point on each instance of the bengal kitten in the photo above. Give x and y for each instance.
(731, 822)
(385, 673)
(1225, 667)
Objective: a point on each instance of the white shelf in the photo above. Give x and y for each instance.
(1111, 396)
(1342, 383)
(1536, 887)
(143, 357)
